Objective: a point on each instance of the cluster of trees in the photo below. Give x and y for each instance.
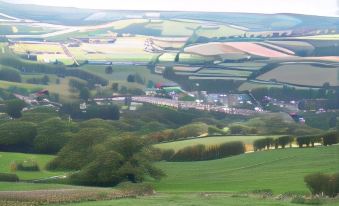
(107, 112)
(47, 137)
(323, 184)
(135, 78)
(268, 142)
(105, 159)
(326, 139)
(201, 152)
(60, 70)
(270, 124)
(288, 93)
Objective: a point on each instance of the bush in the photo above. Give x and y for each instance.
(200, 152)
(26, 165)
(261, 144)
(330, 138)
(320, 184)
(284, 140)
(5, 177)
(167, 154)
(308, 140)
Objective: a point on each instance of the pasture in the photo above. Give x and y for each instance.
(281, 170)
(7, 158)
(190, 199)
(173, 28)
(295, 74)
(219, 31)
(208, 141)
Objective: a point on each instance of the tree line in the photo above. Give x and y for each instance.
(202, 152)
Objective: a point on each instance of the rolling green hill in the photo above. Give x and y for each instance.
(279, 170)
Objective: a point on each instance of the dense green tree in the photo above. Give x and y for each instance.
(14, 107)
(17, 136)
(84, 93)
(53, 134)
(80, 150)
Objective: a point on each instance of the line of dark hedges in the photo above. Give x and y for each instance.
(326, 139)
(201, 152)
(6, 177)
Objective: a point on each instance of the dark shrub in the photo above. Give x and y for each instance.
(304, 140)
(26, 165)
(263, 143)
(320, 184)
(308, 140)
(330, 138)
(259, 144)
(5, 177)
(284, 140)
(167, 154)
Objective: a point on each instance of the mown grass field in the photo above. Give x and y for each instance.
(217, 182)
(191, 199)
(281, 170)
(7, 158)
(23, 186)
(208, 141)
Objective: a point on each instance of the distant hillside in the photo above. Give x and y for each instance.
(255, 22)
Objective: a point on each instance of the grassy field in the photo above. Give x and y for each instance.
(192, 199)
(219, 31)
(120, 74)
(23, 186)
(173, 28)
(177, 145)
(280, 170)
(30, 87)
(7, 158)
(295, 74)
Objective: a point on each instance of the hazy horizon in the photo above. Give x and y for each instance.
(311, 7)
